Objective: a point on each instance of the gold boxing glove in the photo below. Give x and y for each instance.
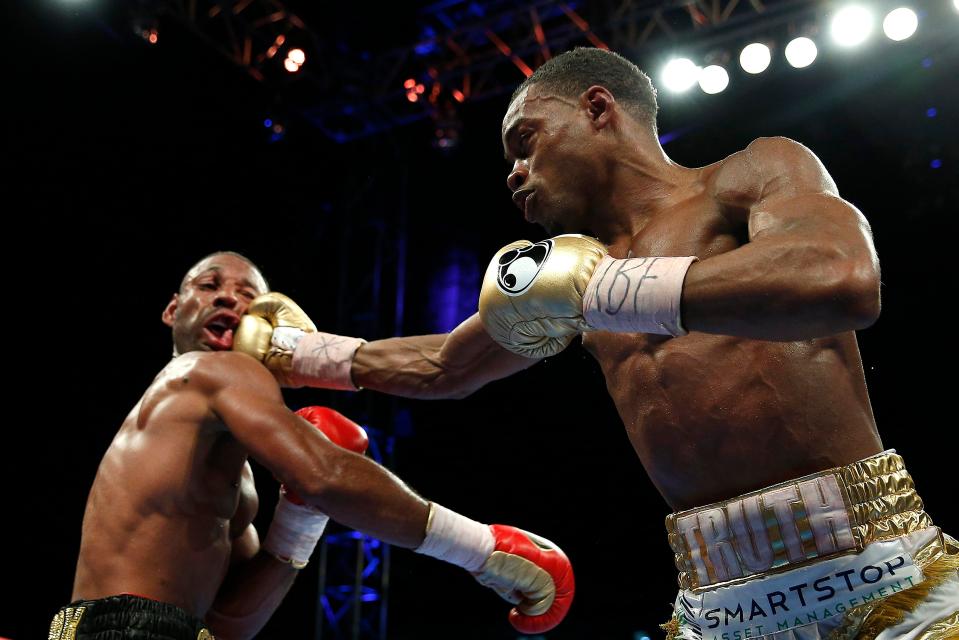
(531, 302)
(270, 332)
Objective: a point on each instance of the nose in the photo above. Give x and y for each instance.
(226, 297)
(517, 177)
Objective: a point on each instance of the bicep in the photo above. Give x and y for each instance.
(252, 408)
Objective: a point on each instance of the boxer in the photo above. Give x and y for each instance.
(168, 550)
(721, 304)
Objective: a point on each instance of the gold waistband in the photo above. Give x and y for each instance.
(822, 515)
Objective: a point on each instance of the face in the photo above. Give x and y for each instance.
(552, 145)
(215, 293)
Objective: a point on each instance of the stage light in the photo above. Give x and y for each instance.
(801, 52)
(680, 74)
(851, 25)
(290, 65)
(900, 23)
(713, 79)
(935, 164)
(409, 83)
(754, 58)
(297, 56)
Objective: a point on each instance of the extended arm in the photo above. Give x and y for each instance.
(450, 365)
(348, 487)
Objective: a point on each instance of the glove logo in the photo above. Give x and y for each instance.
(517, 269)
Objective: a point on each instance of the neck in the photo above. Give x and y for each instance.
(642, 183)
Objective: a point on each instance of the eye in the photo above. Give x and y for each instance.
(249, 295)
(524, 140)
(207, 286)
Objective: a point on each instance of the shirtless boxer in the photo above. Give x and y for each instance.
(168, 550)
(721, 303)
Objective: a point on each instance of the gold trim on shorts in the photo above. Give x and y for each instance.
(64, 624)
(792, 524)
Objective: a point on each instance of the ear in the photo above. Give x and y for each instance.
(169, 314)
(599, 103)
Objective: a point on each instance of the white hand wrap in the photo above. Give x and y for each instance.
(322, 359)
(637, 295)
(456, 539)
(294, 532)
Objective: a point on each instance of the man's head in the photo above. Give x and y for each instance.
(557, 133)
(213, 295)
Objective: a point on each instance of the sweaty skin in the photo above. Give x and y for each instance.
(170, 511)
(173, 495)
(768, 385)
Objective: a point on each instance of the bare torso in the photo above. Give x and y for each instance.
(712, 416)
(172, 493)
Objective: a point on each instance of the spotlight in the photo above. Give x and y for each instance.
(851, 26)
(290, 65)
(713, 79)
(801, 52)
(297, 56)
(680, 74)
(755, 58)
(900, 23)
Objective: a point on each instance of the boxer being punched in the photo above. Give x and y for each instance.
(168, 550)
(721, 303)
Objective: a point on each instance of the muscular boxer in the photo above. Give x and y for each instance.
(168, 550)
(721, 303)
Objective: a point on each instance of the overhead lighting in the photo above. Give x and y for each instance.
(713, 79)
(297, 56)
(851, 26)
(755, 58)
(801, 52)
(900, 23)
(680, 74)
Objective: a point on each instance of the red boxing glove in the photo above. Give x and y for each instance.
(531, 572)
(338, 428)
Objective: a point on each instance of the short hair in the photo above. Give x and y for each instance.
(573, 72)
(242, 257)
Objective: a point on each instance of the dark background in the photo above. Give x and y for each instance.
(124, 163)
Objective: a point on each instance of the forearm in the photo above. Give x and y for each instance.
(784, 291)
(251, 592)
(450, 365)
(358, 493)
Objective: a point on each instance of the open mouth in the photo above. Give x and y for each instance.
(219, 331)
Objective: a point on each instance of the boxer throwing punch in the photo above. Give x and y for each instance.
(721, 304)
(168, 550)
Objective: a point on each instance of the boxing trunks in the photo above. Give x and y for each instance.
(126, 617)
(840, 554)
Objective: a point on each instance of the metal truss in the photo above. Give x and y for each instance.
(469, 50)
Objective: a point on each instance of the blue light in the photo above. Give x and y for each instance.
(267, 123)
(931, 112)
(935, 164)
(926, 63)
